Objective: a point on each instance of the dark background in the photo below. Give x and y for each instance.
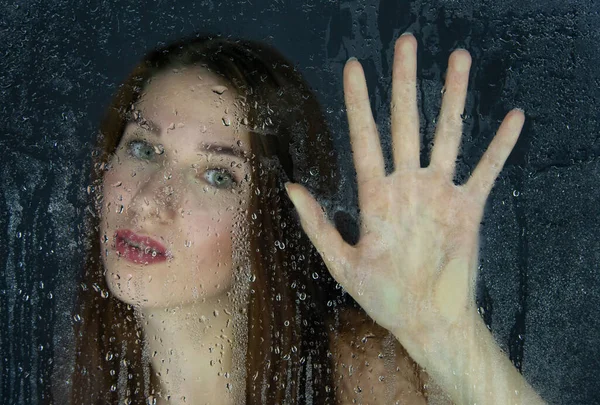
(539, 284)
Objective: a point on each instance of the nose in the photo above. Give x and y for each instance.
(157, 198)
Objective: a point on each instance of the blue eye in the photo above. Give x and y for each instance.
(220, 178)
(217, 177)
(140, 149)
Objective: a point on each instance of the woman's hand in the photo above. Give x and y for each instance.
(414, 267)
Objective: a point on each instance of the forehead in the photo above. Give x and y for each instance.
(194, 97)
(195, 81)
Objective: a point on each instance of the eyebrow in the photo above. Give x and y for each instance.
(222, 149)
(143, 122)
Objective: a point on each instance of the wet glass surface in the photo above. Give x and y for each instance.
(538, 289)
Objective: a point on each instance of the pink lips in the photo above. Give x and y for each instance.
(139, 249)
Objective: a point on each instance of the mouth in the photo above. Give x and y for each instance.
(140, 249)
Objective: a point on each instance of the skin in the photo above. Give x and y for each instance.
(181, 199)
(370, 365)
(414, 221)
(414, 267)
(171, 200)
(184, 304)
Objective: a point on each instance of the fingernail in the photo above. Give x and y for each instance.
(406, 33)
(352, 58)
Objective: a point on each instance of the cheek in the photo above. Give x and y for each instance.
(209, 235)
(209, 254)
(110, 177)
(116, 191)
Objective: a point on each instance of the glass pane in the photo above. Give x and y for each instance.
(151, 253)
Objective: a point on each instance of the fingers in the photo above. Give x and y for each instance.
(482, 180)
(449, 129)
(405, 114)
(364, 138)
(321, 232)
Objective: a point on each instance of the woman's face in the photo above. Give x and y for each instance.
(178, 180)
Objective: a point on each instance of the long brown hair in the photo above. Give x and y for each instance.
(291, 291)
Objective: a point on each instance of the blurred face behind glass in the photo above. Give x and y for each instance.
(169, 181)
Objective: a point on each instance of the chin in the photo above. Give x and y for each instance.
(142, 293)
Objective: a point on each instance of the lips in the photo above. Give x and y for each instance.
(138, 248)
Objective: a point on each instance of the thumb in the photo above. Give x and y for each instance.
(321, 232)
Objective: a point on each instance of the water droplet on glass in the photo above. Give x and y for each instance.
(219, 89)
(516, 193)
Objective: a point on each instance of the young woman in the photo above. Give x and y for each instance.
(200, 286)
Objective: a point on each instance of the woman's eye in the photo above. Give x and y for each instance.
(220, 178)
(140, 149)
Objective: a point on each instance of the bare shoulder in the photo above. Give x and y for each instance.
(433, 392)
(370, 365)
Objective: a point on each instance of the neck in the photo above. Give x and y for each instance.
(191, 350)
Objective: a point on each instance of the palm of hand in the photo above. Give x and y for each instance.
(414, 268)
(414, 225)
